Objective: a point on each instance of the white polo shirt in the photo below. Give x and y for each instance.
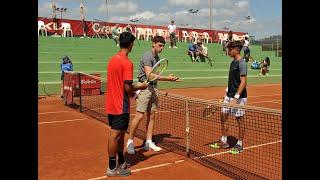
(171, 28)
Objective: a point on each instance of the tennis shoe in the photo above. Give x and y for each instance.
(236, 149)
(175, 47)
(130, 148)
(219, 144)
(152, 146)
(120, 170)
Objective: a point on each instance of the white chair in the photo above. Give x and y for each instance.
(140, 32)
(148, 33)
(222, 37)
(66, 27)
(185, 35)
(207, 37)
(195, 36)
(42, 28)
(159, 32)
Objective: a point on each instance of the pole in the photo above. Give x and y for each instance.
(277, 47)
(210, 14)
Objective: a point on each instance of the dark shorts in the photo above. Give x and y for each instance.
(119, 122)
(246, 51)
(62, 75)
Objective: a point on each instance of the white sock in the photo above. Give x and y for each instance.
(224, 139)
(149, 141)
(239, 142)
(130, 141)
(192, 58)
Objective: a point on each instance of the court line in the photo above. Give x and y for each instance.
(172, 70)
(182, 160)
(50, 122)
(142, 169)
(184, 78)
(53, 112)
(250, 147)
(264, 95)
(271, 101)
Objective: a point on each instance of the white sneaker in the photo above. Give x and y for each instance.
(130, 148)
(117, 44)
(175, 47)
(152, 146)
(170, 47)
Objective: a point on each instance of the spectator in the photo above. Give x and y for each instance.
(201, 51)
(192, 48)
(115, 34)
(265, 66)
(246, 48)
(172, 31)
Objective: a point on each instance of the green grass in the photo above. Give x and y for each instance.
(91, 55)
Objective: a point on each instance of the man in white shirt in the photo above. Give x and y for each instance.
(172, 31)
(246, 49)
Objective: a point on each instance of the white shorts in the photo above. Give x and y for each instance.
(233, 111)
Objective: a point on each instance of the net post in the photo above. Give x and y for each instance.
(187, 130)
(80, 95)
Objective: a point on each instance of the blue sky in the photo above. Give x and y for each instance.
(266, 14)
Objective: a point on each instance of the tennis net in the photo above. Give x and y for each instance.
(181, 127)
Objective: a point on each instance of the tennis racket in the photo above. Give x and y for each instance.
(156, 72)
(210, 110)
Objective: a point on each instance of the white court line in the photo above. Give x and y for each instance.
(264, 95)
(53, 112)
(250, 147)
(81, 119)
(182, 160)
(272, 101)
(141, 169)
(172, 70)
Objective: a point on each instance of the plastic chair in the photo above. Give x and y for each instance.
(66, 27)
(42, 28)
(194, 35)
(185, 35)
(207, 37)
(140, 32)
(148, 33)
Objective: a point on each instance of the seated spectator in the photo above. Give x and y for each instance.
(265, 66)
(115, 34)
(192, 48)
(201, 51)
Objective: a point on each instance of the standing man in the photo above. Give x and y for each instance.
(147, 100)
(66, 65)
(235, 93)
(172, 31)
(246, 49)
(115, 34)
(119, 85)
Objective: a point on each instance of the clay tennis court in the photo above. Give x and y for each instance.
(72, 145)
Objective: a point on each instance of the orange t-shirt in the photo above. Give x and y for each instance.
(119, 71)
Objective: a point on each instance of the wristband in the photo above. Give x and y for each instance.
(226, 89)
(237, 96)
